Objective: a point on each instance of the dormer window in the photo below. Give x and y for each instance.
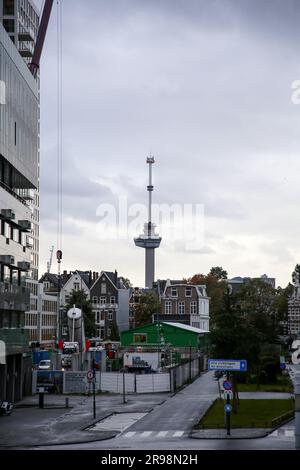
(188, 291)
(173, 291)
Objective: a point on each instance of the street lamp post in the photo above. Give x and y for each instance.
(94, 386)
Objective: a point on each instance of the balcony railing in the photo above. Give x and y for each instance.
(108, 306)
(14, 297)
(16, 339)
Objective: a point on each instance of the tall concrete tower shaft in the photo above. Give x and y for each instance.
(149, 239)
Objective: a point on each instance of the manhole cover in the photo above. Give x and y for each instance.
(117, 422)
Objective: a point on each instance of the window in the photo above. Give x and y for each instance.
(188, 292)
(174, 291)
(102, 300)
(110, 315)
(140, 338)
(103, 288)
(193, 308)
(8, 7)
(76, 285)
(181, 308)
(97, 317)
(168, 307)
(95, 299)
(112, 299)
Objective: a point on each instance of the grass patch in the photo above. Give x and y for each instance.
(251, 413)
(278, 387)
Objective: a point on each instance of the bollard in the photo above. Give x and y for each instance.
(297, 411)
(41, 400)
(67, 402)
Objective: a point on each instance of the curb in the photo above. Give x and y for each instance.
(113, 434)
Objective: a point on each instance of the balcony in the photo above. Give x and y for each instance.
(16, 340)
(105, 306)
(26, 35)
(13, 297)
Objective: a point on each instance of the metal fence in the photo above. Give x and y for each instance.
(113, 382)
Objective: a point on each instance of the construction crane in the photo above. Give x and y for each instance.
(35, 63)
(49, 263)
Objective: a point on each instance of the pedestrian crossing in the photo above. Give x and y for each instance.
(283, 433)
(153, 434)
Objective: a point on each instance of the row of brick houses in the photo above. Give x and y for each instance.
(179, 302)
(108, 295)
(113, 303)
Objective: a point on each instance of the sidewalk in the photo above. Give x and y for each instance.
(30, 426)
(243, 433)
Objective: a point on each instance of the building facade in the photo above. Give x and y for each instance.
(20, 19)
(183, 303)
(236, 283)
(110, 303)
(19, 114)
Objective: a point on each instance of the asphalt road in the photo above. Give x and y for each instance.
(167, 427)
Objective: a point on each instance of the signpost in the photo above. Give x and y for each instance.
(227, 385)
(239, 365)
(227, 365)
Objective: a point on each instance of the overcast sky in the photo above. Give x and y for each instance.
(205, 86)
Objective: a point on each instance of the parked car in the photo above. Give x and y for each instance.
(45, 364)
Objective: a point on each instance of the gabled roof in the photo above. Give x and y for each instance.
(80, 274)
(109, 275)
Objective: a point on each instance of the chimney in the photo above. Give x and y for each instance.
(97, 275)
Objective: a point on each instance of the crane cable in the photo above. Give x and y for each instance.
(59, 129)
(59, 162)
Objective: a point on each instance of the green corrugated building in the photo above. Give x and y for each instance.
(177, 335)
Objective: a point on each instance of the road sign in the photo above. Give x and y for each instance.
(90, 375)
(227, 364)
(228, 408)
(227, 385)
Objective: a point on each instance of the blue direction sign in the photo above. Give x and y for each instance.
(227, 364)
(228, 408)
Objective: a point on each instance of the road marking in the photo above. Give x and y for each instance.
(129, 434)
(162, 433)
(153, 434)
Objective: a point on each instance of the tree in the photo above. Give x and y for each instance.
(218, 272)
(215, 289)
(80, 299)
(114, 335)
(126, 282)
(147, 306)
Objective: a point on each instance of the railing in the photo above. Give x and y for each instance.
(14, 297)
(16, 339)
(98, 305)
(13, 193)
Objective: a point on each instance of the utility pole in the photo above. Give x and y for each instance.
(124, 398)
(297, 410)
(94, 387)
(190, 364)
